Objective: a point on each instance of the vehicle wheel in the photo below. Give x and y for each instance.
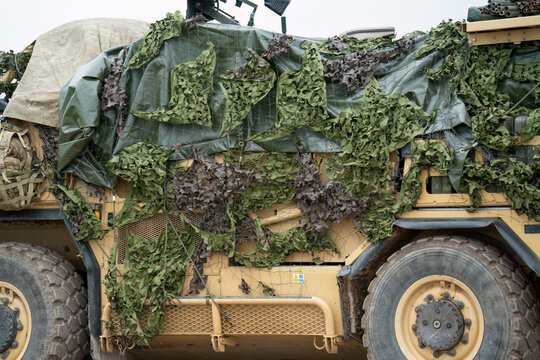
(450, 297)
(43, 302)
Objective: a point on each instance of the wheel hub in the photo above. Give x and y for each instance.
(439, 324)
(8, 327)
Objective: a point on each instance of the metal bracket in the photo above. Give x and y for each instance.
(330, 343)
(219, 341)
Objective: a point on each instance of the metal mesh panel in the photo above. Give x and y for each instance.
(274, 320)
(245, 319)
(149, 229)
(179, 320)
(122, 188)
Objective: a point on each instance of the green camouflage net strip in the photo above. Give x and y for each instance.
(424, 155)
(191, 86)
(16, 63)
(243, 88)
(221, 188)
(526, 72)
(271, 248)
(86, 226)
(446, 35)
(161, 30)
(301, 97)
(368, 134)
(475, 72)
(532, 126)
(529, 72)
(277, 173)
(154, 269)
(338, 45)
(144, 165)
(518, 180)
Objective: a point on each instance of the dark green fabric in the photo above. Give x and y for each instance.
(88, 139)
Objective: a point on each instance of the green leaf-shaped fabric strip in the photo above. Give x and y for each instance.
(191, 86)
(243, 88)
(301, 97)
(147, 274)
(151, 43)
(86, 226)
(144, 165)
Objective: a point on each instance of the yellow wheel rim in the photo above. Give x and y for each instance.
(439, 287)
(15, 300)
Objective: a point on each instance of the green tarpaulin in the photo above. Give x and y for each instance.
(88, 138)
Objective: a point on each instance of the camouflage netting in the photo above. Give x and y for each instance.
(191, 85)
(16, 64)
(362, 105)
(244, 87)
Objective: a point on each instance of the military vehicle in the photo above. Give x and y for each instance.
(376, 197)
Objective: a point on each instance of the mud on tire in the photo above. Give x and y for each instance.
(56, 297)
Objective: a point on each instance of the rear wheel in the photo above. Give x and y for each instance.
(42, 306)
(451, 298)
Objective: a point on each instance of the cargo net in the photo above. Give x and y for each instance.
(21, 174)
(299, 173)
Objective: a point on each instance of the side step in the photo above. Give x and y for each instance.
(223, 318)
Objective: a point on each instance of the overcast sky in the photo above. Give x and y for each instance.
(24, 20)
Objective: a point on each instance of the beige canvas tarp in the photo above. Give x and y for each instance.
(57, 55)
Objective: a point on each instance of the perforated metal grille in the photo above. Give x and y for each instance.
(122, 188)
(149, 229)
(245, 319)
(274, 319)
(179, 320)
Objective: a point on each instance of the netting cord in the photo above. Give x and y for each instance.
(208, 293)
(524, 97)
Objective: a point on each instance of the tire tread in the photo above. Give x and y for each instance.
(525, 342)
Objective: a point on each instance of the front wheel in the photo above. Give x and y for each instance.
(42, 306)
(451, 298)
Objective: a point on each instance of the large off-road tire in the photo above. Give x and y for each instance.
(50, 302)
(491, 310)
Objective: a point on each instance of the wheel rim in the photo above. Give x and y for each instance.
(15, 302)
(419, 319)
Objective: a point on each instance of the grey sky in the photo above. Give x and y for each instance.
(24, 20)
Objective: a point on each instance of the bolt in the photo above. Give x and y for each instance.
(17, 311)
(465, 339)
(449, 326)
(417, 309)
(468, 323)
(19, 326)
(446, 295)
(414, 328)
(5, 301)
(14, 345)
(425, 322)
(438, 311)
(436, 324)
(421, 344)
(428, 298)
(451, 352)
